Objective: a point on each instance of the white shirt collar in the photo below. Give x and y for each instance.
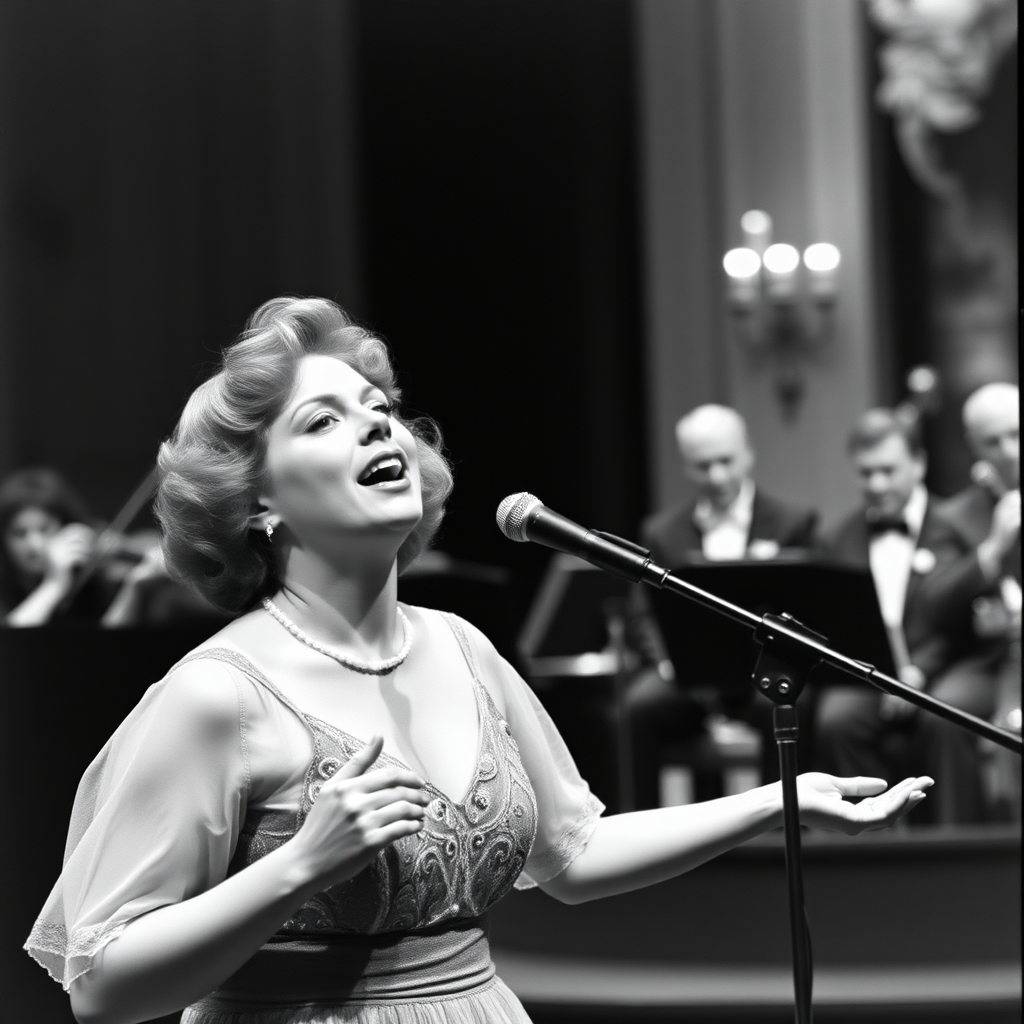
(740, 512)
(914, 510)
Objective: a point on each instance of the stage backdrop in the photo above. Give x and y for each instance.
(459, 175)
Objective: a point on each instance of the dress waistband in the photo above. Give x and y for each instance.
(351, 969)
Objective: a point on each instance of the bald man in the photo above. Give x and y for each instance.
(730, 518)
(974, 597)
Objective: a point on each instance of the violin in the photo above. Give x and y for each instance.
(114, 552)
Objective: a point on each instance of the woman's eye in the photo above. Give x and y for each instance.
(382, 406)
(322, 422)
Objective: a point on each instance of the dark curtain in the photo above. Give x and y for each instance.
(459, 175)
(499, 207)
(167, 166)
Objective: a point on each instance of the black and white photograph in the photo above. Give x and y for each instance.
(510, 512)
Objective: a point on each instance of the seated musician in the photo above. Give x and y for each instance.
(48, 575)
(47, 534)
(975, 597)
(899, 532)
(731, 518)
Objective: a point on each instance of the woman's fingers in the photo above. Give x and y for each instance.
(383, 778)
(400, 810)
(397, 830)
(826, 801)
(396, 794)
(860, 785)
(882, 810)
(361, 759)
(355, 768)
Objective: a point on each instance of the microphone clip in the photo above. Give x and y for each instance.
(636, 549)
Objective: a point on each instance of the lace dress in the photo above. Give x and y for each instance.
(405, 941)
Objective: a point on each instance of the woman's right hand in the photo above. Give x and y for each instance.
(68, 549)
(357, 814)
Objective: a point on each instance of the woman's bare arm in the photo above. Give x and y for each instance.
(629, 851)
(176, 954)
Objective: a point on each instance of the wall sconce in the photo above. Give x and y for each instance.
(781, 310)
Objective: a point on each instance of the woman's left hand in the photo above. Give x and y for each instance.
(824, 803)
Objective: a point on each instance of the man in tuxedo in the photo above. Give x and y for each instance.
(898, 534)
(975, 596)
(730, 518)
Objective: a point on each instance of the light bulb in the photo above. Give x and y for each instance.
(822, 263)
(821, 257)
(757, 230)
(781, 258)
(743, 267)
(756, 222)
(741, 263)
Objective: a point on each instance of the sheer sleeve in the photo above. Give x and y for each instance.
(155, 819)
(567, 811)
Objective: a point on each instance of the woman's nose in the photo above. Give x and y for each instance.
(377, 426)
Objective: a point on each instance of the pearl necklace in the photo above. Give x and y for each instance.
(371, 668)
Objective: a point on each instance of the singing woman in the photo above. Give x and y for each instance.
(308, 818)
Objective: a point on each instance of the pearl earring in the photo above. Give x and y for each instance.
(270, 532)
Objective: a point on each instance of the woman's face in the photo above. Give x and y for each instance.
(27, 536)
(339, 468)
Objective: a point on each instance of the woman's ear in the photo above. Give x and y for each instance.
(264, 521)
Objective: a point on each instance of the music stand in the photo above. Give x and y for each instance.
(838, 601)
(568, 620)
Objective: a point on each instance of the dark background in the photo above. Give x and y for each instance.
(461, 177)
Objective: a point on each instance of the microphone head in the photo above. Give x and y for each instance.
(512, 514)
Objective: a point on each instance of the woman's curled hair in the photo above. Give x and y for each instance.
(212, 469)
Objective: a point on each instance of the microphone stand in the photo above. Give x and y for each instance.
(789, 651)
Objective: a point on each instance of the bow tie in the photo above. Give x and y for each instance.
(887, 525)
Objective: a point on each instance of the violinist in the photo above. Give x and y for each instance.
(46, 536)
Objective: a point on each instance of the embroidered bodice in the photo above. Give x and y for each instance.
(465, 858)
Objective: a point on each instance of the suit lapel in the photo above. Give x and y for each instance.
(924, 541)
(857, 541)
(683, 536)
(763, 520)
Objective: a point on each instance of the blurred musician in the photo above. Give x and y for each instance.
(58, 567)
(898, 534)
(731, 518)
(47, 535)
(975, 597)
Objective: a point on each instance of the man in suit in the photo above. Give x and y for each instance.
(975, 596)
(730, 518)
(897, 534)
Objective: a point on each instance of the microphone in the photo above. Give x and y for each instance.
(524, 517)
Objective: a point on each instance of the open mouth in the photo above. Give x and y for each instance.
(384, 470)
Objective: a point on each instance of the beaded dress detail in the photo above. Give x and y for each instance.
(466, 857)
(214, 769)
(405, 940)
